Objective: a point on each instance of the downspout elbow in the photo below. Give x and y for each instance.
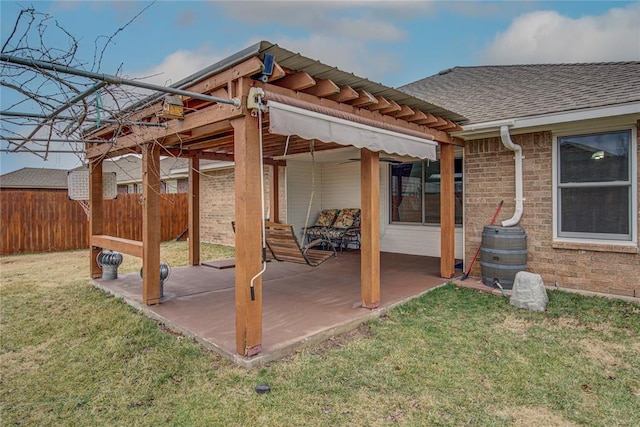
(508, 143)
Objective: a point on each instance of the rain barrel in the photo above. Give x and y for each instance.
(503, 254)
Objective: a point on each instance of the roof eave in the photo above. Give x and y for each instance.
(546, 120)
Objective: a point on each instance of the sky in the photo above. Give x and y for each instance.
(391, 42)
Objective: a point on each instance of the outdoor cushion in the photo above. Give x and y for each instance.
(316, 231)
(347, 218)
(326, 218)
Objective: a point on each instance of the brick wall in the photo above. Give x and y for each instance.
(217, 204)
(489, 178)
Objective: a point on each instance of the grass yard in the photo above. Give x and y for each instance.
(72, 355)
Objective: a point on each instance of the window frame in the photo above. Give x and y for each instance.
(171, 186)
(596, 238)
(424, 168)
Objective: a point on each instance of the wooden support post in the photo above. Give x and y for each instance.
(248, 208)
(275, 194)
(151, 224)
(96, 217)
(447, 211)
(370, 228)
(194, 211)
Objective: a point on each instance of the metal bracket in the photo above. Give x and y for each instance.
(254, 99)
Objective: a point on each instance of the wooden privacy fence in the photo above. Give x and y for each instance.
(45, 221)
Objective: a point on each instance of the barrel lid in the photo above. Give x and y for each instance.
(495, 229)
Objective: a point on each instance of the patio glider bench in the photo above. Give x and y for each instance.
(283, 244)
(339, 226)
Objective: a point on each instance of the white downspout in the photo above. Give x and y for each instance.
(508, 143)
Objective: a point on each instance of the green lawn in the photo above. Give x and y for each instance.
(71, 355)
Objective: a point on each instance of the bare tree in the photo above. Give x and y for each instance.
(45, 109)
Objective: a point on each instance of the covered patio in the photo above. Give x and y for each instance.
(254, 108)
(302, 305)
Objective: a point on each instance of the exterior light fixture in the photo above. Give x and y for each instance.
(597, 155)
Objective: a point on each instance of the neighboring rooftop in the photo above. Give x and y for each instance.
(55, 179)
(496, 92)
(128, 168)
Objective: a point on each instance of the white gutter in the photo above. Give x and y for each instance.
(508, 143)
(552, 118)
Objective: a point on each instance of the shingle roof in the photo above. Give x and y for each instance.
(488, 93)
(35, 178)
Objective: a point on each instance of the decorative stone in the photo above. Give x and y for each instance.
(529, 292)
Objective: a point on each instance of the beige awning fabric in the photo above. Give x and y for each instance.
(287, 119)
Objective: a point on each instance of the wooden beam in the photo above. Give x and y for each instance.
(439, 124)
(275, 192)
(249, 67)
(323, 88)
(194, 211)
(296, 81)
(447, 211)
(381, 105)
(449, 126)
(364, 99)
(206, 116)
(347, 93)
(457, 141)
(392, 108)
(248, 212)
(439, 136)
(418, 116)
(118, 244)
(246, 68)
(370, 228)
(403, 112)
(198, 154)
(430, 119)
(278, 72)
(151, 224)
(182, 138)
(96, 216)
(214, 142)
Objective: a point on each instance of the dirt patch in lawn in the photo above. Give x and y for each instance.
(525, 416)
(513, 324)
(606, 353)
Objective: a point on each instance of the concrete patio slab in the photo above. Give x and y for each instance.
(302, 305)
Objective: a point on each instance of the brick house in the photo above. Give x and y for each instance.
(128, 171)
(577, 126)
(217, 199)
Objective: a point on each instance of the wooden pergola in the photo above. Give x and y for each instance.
(217, 131)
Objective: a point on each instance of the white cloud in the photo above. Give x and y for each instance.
(348, 55)
(371, 20)
(548, 37)
(177, 66)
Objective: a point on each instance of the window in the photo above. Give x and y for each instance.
(171, 186)
(415, 192)
(595, 186)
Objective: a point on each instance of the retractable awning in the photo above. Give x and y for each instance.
(285, 119)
